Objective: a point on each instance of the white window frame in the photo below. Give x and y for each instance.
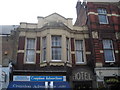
(83, 57)
(44, 47)
(27, 62)
(56, 60)
(102, 13)
(112, 49)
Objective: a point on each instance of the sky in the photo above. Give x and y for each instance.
(12, 12)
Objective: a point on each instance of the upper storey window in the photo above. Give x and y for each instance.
(102, 15)
(30, 50)
(44, 48)
(56, 48)
(108, 51)
(67, 49)
(79, 51)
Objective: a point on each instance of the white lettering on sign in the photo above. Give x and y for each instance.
(21, 86)
(82, 76)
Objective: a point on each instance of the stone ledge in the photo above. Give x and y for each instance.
(99, 64)
(43, 64)
(56, 63)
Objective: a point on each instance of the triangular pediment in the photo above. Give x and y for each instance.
(52, 18)
(55, 17)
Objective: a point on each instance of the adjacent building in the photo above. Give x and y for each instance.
(7, 53)
(103, 22)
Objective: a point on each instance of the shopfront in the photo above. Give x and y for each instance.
(39, 82)
(83, 78)
(108, 77)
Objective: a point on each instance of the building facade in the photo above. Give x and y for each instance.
(103, 21)
(54, 53)
(54, 47)
(7, 53)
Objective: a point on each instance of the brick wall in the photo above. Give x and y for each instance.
(105, 31)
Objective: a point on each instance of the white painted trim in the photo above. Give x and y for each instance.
(116, 51)
(56, 60)
(20, 51)
(109, 61)
(79, 63)
(99, 64)
(29, 63)
(43, 64)
(38, 51)
(94, 13)
(108, 68)
(115, 15)
(101, 51)
(88, 52)
(72, 52)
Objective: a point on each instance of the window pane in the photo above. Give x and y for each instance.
(44, 42)
(79, 51)
(108, 55)
(56, 48)
(107, 44)
(56, 53)
(102, 11)
(30, 50)
(30, 55)
(67, 43)
(102, 18)
(79, 56)
(56, 41)
(79, 45)
(108, 50)
(102, 15)
(30, 43)
(44, 54)
(44, 48)
(67, 49)
(68, 55)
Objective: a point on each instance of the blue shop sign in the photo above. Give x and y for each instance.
(39, 78)
(48, 78)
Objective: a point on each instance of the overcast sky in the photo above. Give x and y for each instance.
(12, 12)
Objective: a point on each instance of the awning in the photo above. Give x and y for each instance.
(27, 84)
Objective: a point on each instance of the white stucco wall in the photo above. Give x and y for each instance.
(107, 72)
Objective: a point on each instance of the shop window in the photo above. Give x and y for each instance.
(56, 48)
(102, 15)
(30, 50)
(44, 48)
(79, 51)
(108, 51)
(67, 49)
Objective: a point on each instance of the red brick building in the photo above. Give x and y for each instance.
(103, 21)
